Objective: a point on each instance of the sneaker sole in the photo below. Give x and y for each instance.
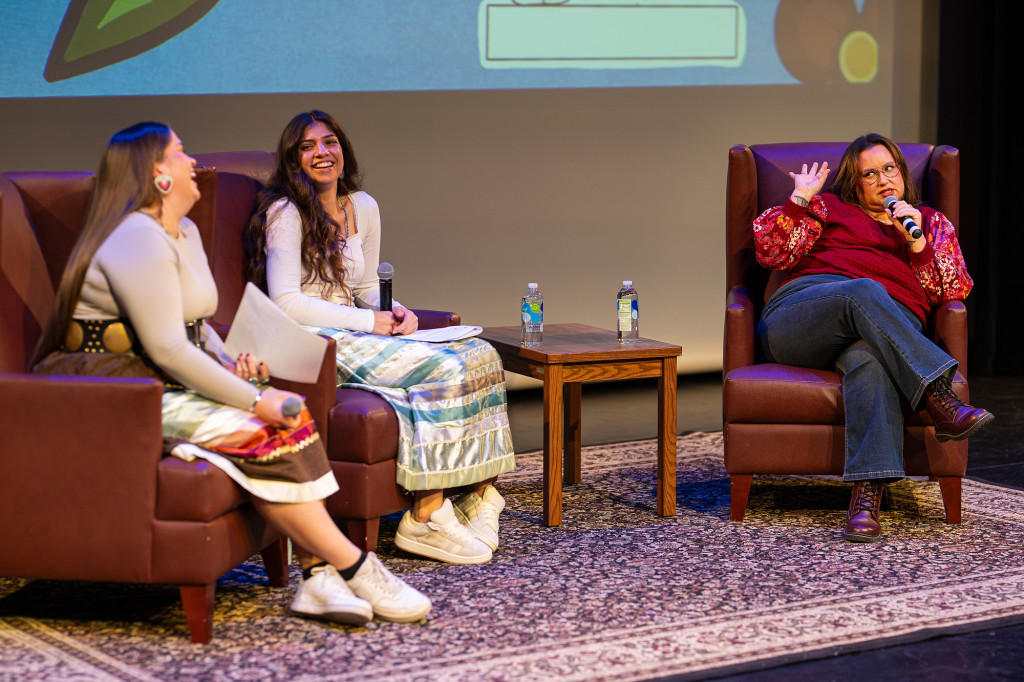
(402, 616)
(414, 547)
(974, 428)
(346, 617)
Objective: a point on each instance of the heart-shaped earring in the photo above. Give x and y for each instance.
(164, 183)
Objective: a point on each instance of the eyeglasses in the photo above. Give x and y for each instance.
(889, 170)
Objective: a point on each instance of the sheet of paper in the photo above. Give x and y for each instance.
(443, 334)
(266, 331)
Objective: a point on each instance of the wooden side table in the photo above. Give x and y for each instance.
(570, 355)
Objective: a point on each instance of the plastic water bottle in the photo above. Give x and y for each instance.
(628, 313)
(533, 316)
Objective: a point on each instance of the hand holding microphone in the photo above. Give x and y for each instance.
(908, 223)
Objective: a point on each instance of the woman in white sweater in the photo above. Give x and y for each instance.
(314, 245)
(132, 302)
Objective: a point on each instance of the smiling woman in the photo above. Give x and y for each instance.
(314, 245)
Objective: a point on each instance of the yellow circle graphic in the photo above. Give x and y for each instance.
(858, 57)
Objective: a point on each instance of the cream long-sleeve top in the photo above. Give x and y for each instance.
(158, 283)
(306, 299)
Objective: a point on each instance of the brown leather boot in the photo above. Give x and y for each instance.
(954, 419)
(862, 518)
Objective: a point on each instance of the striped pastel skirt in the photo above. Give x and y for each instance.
(449, 398)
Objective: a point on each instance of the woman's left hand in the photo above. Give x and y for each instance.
(407, 321)
(246, 367)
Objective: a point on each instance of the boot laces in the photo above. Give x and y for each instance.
(869, 497)
(943, 393)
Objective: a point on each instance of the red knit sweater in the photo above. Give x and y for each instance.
(830, 236)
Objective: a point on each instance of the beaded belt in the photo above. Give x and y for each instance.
(116, 336)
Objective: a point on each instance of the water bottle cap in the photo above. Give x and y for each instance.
(531, 285)
(627, 282)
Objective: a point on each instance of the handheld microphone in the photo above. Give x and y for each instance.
(908, 222)
(291, 407)
(384, 273)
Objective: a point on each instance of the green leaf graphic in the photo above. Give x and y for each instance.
(98, 33)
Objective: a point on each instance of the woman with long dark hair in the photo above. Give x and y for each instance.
(314, 244)
(132, 303)
(859, 288)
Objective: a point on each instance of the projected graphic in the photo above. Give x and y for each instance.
(97, 48)
(98, 33)
(830, 42)
(605, 34)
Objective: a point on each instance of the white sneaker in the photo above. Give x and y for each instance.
(388, 594)
(442, 538)
(480, 514)
(326, 595)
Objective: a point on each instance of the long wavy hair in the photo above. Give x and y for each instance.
(847, 179)
(321, 246)
(124, 184)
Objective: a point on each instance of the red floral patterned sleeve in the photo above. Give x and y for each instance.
(782, 235)
(940, 268)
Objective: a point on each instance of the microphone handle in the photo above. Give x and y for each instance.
(911, 226)
(385, 295)
(906, 221)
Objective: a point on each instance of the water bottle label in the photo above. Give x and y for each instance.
(627, 313)
(533, 313)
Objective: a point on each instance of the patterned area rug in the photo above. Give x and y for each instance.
(614, 593)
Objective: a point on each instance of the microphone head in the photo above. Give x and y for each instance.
(889, 202)
(385, 271)
(291, 407)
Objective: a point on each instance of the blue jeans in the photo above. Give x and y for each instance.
(854, 327)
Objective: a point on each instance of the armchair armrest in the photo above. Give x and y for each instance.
(739, 329)
(432, 319)
(322, 394)
(80, 472)
(951, 331)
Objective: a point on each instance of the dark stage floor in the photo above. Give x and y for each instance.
(622, 411)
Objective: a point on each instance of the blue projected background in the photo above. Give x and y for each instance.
(62, 48)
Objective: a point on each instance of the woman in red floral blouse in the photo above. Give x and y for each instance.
(861, 283)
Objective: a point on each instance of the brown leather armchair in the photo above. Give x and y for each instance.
(86, 493)
(780, 419)
(359, 428)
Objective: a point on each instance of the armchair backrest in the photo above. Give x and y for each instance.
(759, 179)
(240, 177)
(41, 214)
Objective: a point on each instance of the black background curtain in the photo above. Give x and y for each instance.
(979, 79)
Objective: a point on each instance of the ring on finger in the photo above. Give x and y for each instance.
(253, 380)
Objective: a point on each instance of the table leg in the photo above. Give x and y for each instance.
(667, 438)
(573, 433)
(553, 445)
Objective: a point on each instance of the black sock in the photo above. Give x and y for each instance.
(350, 572)
(307, 573)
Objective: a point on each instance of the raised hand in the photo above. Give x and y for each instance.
(807, 183)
